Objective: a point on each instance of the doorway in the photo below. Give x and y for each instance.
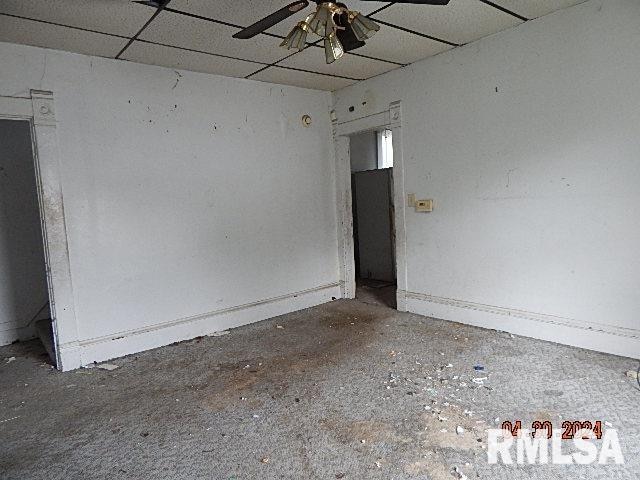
(387, 119)
(372, 201)
(24, 296)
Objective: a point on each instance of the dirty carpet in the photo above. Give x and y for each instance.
(348, 390)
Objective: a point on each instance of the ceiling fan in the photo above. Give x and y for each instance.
(343, 30)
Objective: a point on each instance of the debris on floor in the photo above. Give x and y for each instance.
(383, 404)
(632, 374)
(102, 366)
(458, 474)
(10, 359)
(9, 419)
(218, 334)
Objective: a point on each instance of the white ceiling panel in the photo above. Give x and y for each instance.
(462, 21)
(364, 7)
(197, 62)
(233, 11)
(241, 13)
(246, 12)
(119, 17)
(352, 66)
(180, 31)
(30, 32)
(301, 79)
(209, 47)
(537, 8)
(385, 43)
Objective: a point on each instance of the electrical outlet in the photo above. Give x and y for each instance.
(424, 205)
(411, 199)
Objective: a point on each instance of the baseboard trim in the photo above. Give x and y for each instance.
(76, 354)
(589, 335)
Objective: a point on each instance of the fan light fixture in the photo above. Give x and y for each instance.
(333, 49)
(363, 27)
(323, 23)
(343, 30)
(297, 37)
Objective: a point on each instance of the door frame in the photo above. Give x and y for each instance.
(38, 109)
(388, 119)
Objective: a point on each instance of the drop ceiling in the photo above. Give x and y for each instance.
(197, 34)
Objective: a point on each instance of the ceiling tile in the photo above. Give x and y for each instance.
(402, 47)
(352, 66)
(30, 32)
(530, 9)
(119, 17)
(462, 21)
(181, 59)
(301, 79)
(364, 7)
(180, 31)
(246, 12)
(242, 13)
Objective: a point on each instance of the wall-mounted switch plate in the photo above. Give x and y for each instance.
(424, 205)
(411, 199)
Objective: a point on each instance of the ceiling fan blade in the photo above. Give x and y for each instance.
(419, 2)
(269, 21)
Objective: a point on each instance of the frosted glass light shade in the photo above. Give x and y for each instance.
(333, 49)
(297, 38)
(363, 27)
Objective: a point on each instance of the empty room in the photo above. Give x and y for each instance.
(305, 239)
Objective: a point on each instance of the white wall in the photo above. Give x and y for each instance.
(193, 202)
(529, 142)
(23, 285)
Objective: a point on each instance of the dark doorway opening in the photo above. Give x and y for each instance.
(373, 217)
(24, 295)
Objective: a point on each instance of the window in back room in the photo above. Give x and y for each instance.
(385, 149)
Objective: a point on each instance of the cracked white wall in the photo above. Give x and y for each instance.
(529, 142)
(193, 202)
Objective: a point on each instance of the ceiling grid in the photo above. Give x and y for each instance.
(197, 34)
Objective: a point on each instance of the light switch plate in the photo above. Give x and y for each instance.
(424, 205)
(411, 199)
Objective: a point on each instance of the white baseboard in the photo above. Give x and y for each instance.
(74, 355)
(592, 336)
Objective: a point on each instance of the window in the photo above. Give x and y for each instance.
(385, 149)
